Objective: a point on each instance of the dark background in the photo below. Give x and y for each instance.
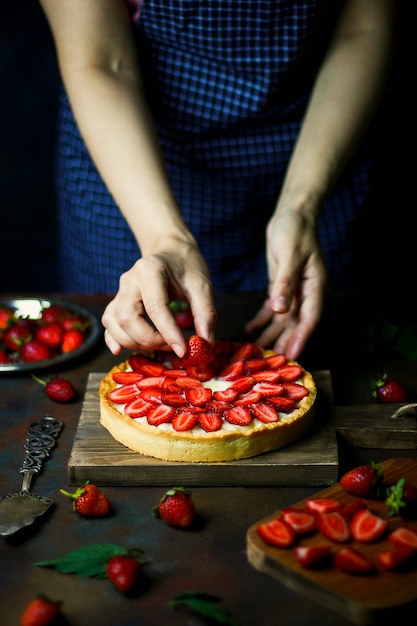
(29, 84)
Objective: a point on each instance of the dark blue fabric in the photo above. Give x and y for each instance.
(228, 83)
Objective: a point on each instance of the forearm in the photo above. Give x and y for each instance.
(346, 93)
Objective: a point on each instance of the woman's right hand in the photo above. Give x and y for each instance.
(139, 316)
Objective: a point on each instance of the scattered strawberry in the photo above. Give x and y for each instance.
(352, 561)
(58, 389)
(176, 508)
(123, 571)
(389, 390)
(392, 559)
(277, 533)
(311, 556)
(402, 499)
(89, 501)
(333, 525)
(72, 339)
(362, 481)
(367, 527)
(199, 351)
(33, 350)
(40, 612)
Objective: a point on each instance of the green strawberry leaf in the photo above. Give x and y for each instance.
(87, 562)
(205, 605)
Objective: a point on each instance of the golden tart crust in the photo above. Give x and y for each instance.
(196, 445)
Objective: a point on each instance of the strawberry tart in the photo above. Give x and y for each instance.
(233, 401)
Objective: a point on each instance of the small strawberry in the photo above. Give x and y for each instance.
(89, 501)
(182, 313)
(362, 481)
(199, 351)
(123, 571)
(389, 390)
(176, 508)
(40, 612)
(72, 339)
(33, 350)
(58, 389)
(402, 499)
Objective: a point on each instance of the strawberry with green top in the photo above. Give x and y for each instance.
(123, 571)
(41, 612)
(89, 501)
(199, 351)
(176, 508)
(362, 481)
(389, 390)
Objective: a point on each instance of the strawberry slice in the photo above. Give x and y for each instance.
(137, 407)
(198, 396)
(216, 406)
(203, 373)
(170, 385)
(153, 396)
(173, 399)
(254, 365)
(173, 373)
(232, 371)
(392, 559)
(404, 536)
(277, 533)
(334, 526)
(350, 509)
(152, 369)
(264, 412)
(157, 382)
(188, 382)
(268, 389)
(300, 520)
(245, 352)
(310, 556)
(323, 505)
(127, 378)
(275, 361)
(226, 395)
(296, 391)
(210, 422)
(266, 375)
(243, 384)
(352, 561)
(290, 373)
(239, 415)
(283, 404)
(121, 395)
(161, 414)
(184, 420)
(252, 397)
(137, 360)
(366, 526)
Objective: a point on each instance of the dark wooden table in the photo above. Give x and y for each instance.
(212, 558)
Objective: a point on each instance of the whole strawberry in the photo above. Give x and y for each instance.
(58, 389)
(50, 335)
(362, 481)
(176, 508)
(89, 501)
(389, 390)
(40, 612)
(33, 350)
(199, 351)
(182, 314)
(72, 339)
(123, 571)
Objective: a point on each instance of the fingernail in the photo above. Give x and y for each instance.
(179, 350)
(280, 304)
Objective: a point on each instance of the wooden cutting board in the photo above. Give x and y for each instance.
(96, 456)
(364, 600)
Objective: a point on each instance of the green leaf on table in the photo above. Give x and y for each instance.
(205, 605)
(87, 562)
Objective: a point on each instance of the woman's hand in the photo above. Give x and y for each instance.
(297, 284)
(139, 317)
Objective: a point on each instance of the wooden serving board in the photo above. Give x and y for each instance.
(370, 599)
(96, 456)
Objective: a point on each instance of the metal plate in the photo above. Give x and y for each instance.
(32, 308)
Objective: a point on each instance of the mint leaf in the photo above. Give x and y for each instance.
(205, 605)
(87, 562)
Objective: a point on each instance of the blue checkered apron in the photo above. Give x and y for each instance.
(228, 83)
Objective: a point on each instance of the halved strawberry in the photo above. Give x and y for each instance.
(275, 361)
(264, 412)
(239, 415)
(209, 422)
(161, 414)
(226, 395)
(323, 505)
(366, 526)
(125, 393)
(125, 378)
(137, 407)
(404, 536)
(296, 391)
(334, 526)
(290, 373)
(243, 384)
(173, 399)
(283, 404)
(271, 376)
(352, 561)
(198, 396)
(244, 399)
(154, 382)
(392, 559)
(232, 371)
(300, 520)
(184, 420)
(277, 533)
(268, 389)
(310, 556)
